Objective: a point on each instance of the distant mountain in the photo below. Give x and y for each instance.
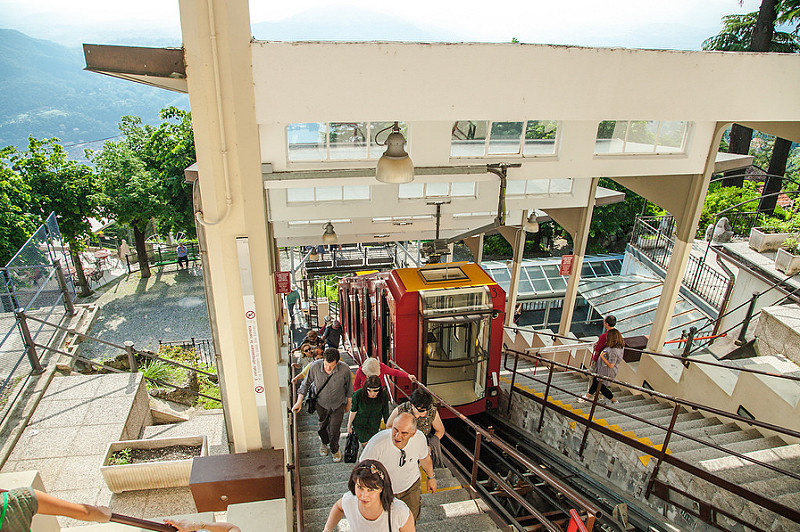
(46, 93)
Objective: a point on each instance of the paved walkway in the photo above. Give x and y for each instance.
(169, 306)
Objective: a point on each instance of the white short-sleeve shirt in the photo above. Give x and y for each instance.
(381, 448)
(358, 523)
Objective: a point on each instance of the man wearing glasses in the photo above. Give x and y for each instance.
(402, 450)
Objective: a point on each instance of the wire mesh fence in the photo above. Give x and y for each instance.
(31, 280)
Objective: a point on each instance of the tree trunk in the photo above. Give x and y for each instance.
(776, 170)
(83, 284)
(141, 253)
(740, 144)
(761, 39)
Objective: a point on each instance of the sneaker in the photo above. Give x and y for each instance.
(323, 450)
(337, 456)
(585, 398)
(614, 400)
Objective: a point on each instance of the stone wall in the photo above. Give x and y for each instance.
(627, 468)
(778, 332)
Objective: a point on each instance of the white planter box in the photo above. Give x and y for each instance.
(151, 475)
(786, 262)
(760, 241)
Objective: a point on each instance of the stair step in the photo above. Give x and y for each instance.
(704, 433)
(657, 434)
(739, 471)
(774, 487)
(741, 447)
(316, 490)
(475, 523)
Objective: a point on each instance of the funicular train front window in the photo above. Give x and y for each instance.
(456, 327)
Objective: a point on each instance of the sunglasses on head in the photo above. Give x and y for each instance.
(373, 389)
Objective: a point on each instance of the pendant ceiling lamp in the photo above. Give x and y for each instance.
(395, 165)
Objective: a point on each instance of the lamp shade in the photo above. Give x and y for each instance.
(329, 236)
(395, 165)
(531, 225)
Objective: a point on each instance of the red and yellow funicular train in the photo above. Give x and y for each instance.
(442, 322)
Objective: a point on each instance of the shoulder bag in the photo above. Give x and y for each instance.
(311, 398)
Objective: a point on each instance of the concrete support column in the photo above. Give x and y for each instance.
(669, 294)
(218, 56)
(475, 245)
(682, 196)
(517, 242)
(577, 222)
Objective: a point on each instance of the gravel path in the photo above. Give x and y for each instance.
(168, 306)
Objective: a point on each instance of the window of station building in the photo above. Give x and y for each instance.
(483, 138)
(538, 187)
(641, 137)
(436, 190)
(317, 194)
(336, 141)
(295, 223)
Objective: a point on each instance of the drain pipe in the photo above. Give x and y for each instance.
(197, 201)
(198, 215)
(726, 298)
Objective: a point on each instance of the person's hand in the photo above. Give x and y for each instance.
(103, 514)
(349, 429)
(184, 526)
(431, 485)
(297, 406)
(412, 378)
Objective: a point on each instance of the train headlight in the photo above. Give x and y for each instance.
(493, 392)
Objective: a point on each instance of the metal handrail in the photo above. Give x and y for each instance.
(664, 355)
(141, 523)
(662, 454)
(298, 487)
(592, 511)
(145, 353)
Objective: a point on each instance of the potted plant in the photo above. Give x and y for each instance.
(149, 464)
(771, 232)
(648, 241)
(787, 260)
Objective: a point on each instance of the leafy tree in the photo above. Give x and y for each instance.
(17, 221)
(720, 198)
(62, 186)
(755, 32)
(611, 224)
(167, 151)
(130, 192)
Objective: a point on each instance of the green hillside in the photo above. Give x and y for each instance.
(46, 93)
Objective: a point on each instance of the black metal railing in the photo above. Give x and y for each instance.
(656, 243)
(365, 257)
(127, 348)
(483, 437)
(204, 349)
(707, 510)
(162, 255)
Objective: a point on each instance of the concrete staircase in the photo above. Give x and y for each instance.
(449, 509)
(750, 442)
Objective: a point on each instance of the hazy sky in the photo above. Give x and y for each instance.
(620, 22)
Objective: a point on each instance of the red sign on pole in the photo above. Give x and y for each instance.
(283, 282)
(566, 264)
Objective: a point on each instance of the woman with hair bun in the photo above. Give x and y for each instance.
(370, 505)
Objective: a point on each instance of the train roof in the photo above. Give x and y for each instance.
(444, 275)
